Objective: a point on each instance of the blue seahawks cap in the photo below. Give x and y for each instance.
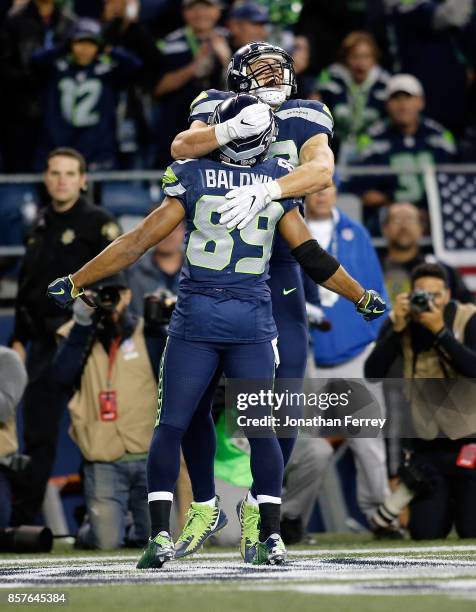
(249, 11)
(87, 29)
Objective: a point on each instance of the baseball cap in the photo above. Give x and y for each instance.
(188, 3)
(249, 11)
(87, 29)
(405, 83)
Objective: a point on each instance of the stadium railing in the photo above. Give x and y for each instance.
(450, 191)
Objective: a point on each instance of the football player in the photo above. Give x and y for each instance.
(222, 321)
(304, 130)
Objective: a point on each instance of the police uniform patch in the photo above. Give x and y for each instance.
(68, 236)
(110, 230)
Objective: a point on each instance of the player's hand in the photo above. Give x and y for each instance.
(63, 291)
(371, 305)
(251, 121)
(246, 202)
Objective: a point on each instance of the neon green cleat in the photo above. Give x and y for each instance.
(248, 515)
(271, 552)
(202, 522)
(158, 550)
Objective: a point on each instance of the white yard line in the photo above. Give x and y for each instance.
(233, 555)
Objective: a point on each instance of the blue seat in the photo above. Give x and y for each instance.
(18, 207)
(123, 198)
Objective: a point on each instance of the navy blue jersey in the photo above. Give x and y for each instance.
(297, 120)
(223, 293)
(80, 102)
(355, 107)
(385, 145)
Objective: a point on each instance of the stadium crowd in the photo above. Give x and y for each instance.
(99, 86)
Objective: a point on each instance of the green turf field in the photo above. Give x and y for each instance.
(344, 573)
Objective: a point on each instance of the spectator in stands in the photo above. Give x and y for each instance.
(354, 90)
(194, 59)
(157, 269)
(80, 97)
(326, 23)
(341, 352)
(406, 141)
(12, 384)
(435, 40)
(35, 25)
(436, 340)
(402, 228)
(110, 361)
(247, 23)
(122, 28)
(69, 232)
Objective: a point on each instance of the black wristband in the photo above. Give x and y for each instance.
(316, 262)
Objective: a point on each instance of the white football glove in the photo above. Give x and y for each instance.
(252, 120)
(244, 203)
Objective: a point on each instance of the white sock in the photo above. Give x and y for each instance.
(251, 500)
(160, 496)
(268, 499)
(211, 502)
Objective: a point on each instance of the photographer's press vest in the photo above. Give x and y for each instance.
(8, 437)
(447, 406)
(136, 390)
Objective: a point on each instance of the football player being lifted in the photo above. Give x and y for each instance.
(304, 130)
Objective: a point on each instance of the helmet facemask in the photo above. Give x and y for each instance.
(271, 81)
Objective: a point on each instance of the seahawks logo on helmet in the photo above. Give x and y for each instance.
(244, 151)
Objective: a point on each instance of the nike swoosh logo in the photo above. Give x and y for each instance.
(378, 311)
(244, 123)
(57, 292)
(288, 291)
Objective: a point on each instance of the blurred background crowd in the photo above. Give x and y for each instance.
(110, 84)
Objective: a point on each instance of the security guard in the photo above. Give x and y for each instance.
(67, 234)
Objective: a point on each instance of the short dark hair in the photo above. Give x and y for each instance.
(68, 152)
(429, 269)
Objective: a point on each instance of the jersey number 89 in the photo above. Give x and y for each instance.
(211, 244)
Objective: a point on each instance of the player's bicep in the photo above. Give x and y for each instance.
(293, 228)
(160, 223)
(316, 147)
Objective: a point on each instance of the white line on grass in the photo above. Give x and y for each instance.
(311, 552)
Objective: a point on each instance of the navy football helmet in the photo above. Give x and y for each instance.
(244, 151)
(273, 80)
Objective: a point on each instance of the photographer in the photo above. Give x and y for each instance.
(437, 339)
(13, 379)
(111, 359)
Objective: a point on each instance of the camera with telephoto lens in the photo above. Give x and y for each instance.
(420, 301)
(106, 298)
(159, 306)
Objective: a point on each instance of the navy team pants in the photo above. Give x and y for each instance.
(189, 372)
(289, 312)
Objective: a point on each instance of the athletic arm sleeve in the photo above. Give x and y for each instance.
(315, 261)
